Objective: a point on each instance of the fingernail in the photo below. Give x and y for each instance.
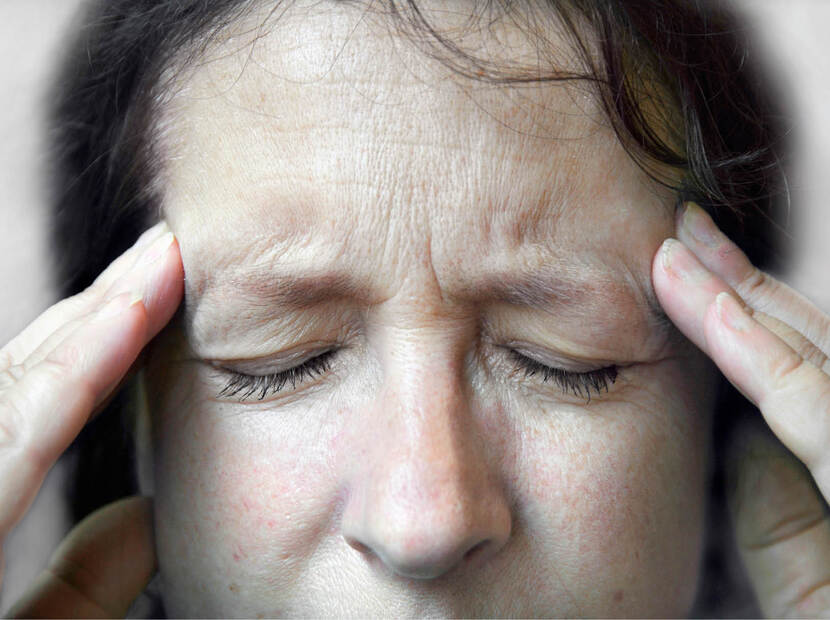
(676, 258)
(697, 223)
(732, 313)
(157, 249)
(151, 234)
(117, 305)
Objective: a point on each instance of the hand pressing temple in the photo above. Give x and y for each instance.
(772, 344)
(54, 376)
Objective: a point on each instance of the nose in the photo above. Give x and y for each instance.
(427, 499)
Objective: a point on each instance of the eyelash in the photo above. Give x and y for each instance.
(578, 383)
(574, 382)
(273, 383)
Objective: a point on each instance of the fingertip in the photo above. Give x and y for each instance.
(662, 256)
(659, 266)
(712, 326)
(696, 228)
(718, 253)
(166, 291)
(673, 280)
(151, 234)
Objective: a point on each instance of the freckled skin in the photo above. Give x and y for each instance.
(421, 475)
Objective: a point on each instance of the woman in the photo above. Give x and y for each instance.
(438, 353)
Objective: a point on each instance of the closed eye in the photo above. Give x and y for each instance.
(577, 383)
(244, 386)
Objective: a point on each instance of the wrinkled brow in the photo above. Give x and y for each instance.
(297, 292)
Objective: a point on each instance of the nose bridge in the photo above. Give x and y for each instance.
(427, 496)
(427, 405)
(431, 455)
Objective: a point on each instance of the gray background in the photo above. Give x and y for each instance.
(31, 33)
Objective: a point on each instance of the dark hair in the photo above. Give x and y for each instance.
(673, 77)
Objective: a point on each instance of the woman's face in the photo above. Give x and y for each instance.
(336, 194)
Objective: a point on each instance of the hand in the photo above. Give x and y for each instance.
(53, 377)
(772, 344)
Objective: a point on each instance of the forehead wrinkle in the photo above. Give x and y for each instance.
(557, 180)
(529, 187)
(311, 283)
(384, 171)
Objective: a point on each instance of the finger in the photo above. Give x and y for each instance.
(758, 289)
(48, 405)
(67, 310)
(792, 393)
(786, 380)
(781, 525)
(100, 568)
(146, 278)
(50, 400)
(686, 289)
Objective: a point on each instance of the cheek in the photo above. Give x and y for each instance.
(237, 511)
(617, 499)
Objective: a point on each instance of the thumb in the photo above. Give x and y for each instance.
(100, 568)
(781, 523)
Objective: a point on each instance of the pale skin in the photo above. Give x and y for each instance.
(420, 471)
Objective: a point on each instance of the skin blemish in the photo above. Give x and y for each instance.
(239, 554)
(618, 596)
(233, 587)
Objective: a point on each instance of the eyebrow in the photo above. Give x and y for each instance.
(542, 293)
(536, 291)
(301, 291)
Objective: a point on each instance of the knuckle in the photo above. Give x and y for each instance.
(753, 283)
(6, 359)
(59, 366)
(782, 529)
(80, 303)
(67, 310)
(815, 602)
(812, 354)
(783, 369)
(11, 418)
(11, 375)
(67, 367)
(83, 301)
(16, 438)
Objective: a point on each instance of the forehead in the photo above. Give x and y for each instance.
(327, 128)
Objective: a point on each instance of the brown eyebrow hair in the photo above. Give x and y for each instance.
(303, 291)
(536, 291)
(532, 290)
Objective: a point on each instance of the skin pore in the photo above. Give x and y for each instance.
(333, 189)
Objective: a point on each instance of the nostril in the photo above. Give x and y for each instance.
(475, 550)
(357, 545)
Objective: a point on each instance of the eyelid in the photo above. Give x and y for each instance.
(273, 363)
(576, 383)
(567, 364)
(274, 382)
